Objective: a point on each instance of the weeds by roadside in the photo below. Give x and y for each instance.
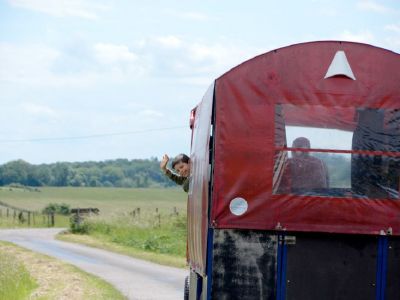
(15, 281)
(160, 238)
(53, 279)
(163, 234)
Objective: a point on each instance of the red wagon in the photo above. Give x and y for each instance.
(295, 177)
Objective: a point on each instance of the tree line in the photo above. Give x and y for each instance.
(141, 173)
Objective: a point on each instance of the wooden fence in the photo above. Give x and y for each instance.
(22, 216)
(137, 211)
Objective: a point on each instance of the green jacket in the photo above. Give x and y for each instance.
(183, 181)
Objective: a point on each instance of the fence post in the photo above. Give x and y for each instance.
(21, 219)
(1, 213)
(78, 219)
(33, 218)
(14, 215)
(156, 210)
(29, 218)
(52, 219)
(159, 220)
(8, 213)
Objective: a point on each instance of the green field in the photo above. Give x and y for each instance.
(156, 233)
(108, 200)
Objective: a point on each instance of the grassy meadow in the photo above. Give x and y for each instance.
(110, 201)
(144, 223)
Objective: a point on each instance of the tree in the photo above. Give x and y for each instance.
(60, 173)
(119, 173)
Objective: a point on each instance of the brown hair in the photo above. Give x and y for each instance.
(180, 158)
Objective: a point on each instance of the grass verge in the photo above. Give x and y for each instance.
(102, 242)
(157, 238)
(15, 281)
(58, 280)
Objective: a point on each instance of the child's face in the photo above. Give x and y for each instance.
(182, 169)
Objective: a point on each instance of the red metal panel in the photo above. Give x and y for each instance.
(198, 193)
(244, 151)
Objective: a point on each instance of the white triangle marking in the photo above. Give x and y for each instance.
(340, 66)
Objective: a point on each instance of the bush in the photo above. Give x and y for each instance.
(80, 228)
(16, 185)
(56, 208)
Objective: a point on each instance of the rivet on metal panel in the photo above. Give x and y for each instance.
(389, 231)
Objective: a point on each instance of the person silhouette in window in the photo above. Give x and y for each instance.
(306, 172)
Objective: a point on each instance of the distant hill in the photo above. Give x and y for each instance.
(110, 173)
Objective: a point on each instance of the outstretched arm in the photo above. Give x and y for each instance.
(174, 177)
(164, 162)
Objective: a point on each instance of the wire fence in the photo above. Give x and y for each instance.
(20, 216)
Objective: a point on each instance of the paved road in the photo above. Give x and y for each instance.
(137, 279)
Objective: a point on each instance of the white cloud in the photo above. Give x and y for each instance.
(170, 41)
(195, 16)
(201, 81)
(63, 8)
(81, 64)
(220, 57)
(110, 53)
(192, 58)
(361, 37)
(373, 6)
(393, 27)
(38, 65)
(328, 11)
(388, 42)
(189, 15)
(25, 64)
(151, 113)
(393, 43)
(38, 110)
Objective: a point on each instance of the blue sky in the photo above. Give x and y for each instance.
(120, 77)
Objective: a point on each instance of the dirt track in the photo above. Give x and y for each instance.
(137, 279)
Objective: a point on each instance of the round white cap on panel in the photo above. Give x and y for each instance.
(238, 206)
